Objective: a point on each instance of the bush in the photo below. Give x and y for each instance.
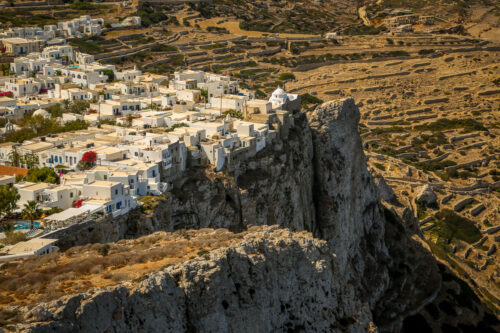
(309, 99)
(233, 114)
(451, 226)
(286, 76)
(174, 126)
(86, 47)
(433, 166)
(426, 51)
(150, 15)
(203, 252)
(45, 175)
(164, 48)
(13, 237)
(468, 125)
(103, 250)
(109, 73)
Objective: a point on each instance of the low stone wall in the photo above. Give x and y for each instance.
(418, 118)
(417, 111)
(436, 100)
(489, 92)
(456, 75)
(463, 137)
(471, 163)
(474, 145)
(459, 206)
(266, 52)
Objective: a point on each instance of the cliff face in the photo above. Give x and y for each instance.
(274, 280)
(367, 271)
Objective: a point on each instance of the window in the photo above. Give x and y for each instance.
(116, 191)
(71, 195)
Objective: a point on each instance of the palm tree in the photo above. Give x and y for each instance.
(31, 212)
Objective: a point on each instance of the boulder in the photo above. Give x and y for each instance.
(385, 190)
(427, 197)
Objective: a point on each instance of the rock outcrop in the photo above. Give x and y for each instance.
(369, 270)
(274, 280)
(426, 197)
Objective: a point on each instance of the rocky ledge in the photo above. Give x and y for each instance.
(367, 269)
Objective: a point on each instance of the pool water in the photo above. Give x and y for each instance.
(23, 225)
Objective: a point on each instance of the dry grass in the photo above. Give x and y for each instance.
(48, 277)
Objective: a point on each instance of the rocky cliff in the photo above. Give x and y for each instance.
(368, 271)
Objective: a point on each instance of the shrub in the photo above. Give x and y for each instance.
(174, 126)
(451, 226)
(103, 250)
(286, 76)
(233, 114)
(309, 99)
(443, 124)
(109, 73)
(86, 47)
(42, 175)
(426, 51)
(203, 252)
(14, 237)
(164, 48)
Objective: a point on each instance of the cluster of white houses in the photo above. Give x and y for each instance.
(25, 40)
(146, 129)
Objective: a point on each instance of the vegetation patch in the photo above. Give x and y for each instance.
(85, 46)
(468, 125)
(450, 227)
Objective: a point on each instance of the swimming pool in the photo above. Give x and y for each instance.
(23, 225)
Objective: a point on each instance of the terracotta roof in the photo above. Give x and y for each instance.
(11, 170)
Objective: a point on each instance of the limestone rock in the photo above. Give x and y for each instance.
(316, 179)
(384, 190)
(427, 197)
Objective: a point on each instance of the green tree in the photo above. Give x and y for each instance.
(8, 199)
(79, 106)
(204, 93)
(5, 69)
(286, 76)
(55, 110)
(66, 104)
(45, 175)
(109, 73)
(15, 158)
(43, 126)
(31, 212)
(233, 114)
(75, 125)
(31, 161)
